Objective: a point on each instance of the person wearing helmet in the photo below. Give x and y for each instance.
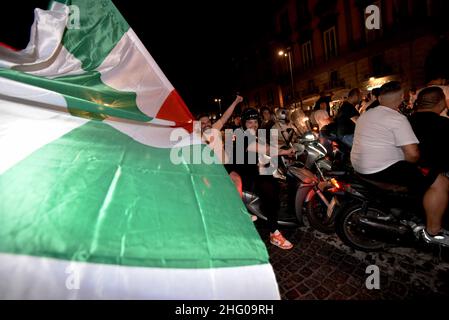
(264, 185)
(284, 127)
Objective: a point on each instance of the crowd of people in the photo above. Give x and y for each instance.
(401, 139)
(391, 137)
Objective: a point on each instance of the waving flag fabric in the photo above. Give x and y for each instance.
(91, 206)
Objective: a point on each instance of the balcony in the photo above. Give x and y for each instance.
(335, 84)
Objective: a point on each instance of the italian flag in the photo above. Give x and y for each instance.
(91, 205)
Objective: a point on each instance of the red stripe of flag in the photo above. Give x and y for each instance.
(4, 45)
(175, 109)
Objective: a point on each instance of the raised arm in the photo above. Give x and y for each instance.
(228, 113)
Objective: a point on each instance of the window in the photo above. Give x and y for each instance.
(437, 8)
(307, 56)
(311, 88)
(303, 13)
(334, 81)
(330, 43)
(285, 24)
(420, 8)
(401, 10)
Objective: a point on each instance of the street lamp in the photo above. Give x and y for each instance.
(288, 54)
(219, 104)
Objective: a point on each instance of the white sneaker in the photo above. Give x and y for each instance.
(442, 238)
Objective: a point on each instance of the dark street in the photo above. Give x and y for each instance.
(322, 267)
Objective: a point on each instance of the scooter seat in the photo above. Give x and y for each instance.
(385, 185)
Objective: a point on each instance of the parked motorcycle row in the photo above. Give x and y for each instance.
(366, 215)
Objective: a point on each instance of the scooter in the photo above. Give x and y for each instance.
(321, 214)
(375, 215)
(310, 155)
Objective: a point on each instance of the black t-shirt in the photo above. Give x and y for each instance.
(373, 105)
(432, 131)
(244, 162)
(345, 125)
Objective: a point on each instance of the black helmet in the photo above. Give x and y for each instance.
(249, 114)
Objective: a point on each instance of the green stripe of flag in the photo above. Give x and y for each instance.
(86, 95)
(96, 195)
(95, 38)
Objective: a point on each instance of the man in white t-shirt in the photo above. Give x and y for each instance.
(385, 149)
(382, 138)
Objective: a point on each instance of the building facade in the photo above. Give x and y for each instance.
(328, 48)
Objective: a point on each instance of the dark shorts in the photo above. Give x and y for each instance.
(407, 174)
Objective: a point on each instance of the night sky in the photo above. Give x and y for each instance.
(192, 41)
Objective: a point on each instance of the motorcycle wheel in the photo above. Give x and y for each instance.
(316, 212)
(353, 234)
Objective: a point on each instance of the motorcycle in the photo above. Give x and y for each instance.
(376, 215)
(321, 214)
(299, 174)
(312, 199)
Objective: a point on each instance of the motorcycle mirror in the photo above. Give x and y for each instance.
(299, 148)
